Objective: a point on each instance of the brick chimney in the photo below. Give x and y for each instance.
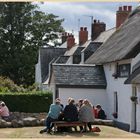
(70, 41)
(96, 28)
(122, 14)
(83, 35)
(64, 37)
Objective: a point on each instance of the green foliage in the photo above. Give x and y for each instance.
(23, 29)
(32, 102)
(7, 85)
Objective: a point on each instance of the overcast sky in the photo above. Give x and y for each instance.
(77, 14)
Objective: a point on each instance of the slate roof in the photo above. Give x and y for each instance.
(90, 49)
(62, 59)
(79, 76)
(123, 44)
(46, 56)
(71, 51)
(77, 55)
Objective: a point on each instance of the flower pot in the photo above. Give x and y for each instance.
(133, 98)
(115, 115)
(115, 75)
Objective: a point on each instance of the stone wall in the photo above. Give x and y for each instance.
(21, 119)
(37, 119)
(21, 115)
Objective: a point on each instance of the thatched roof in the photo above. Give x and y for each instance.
(134, 78)
(123, 44)
(105, 35)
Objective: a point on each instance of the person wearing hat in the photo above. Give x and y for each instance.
(53, 114)
(4, 111)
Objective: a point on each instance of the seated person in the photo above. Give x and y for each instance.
(86, 115)
(4, 111)
(95, 113)
(54, 112)
(101, 112)
(80, 103)
(70, 111)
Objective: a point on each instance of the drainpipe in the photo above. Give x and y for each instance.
(133, 111)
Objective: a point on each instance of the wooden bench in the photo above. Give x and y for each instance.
(66, 124)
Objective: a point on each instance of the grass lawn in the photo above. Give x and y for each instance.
(33, 132)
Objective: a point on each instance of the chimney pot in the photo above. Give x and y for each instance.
(70, 41)
(125, 8)
(97, 28)
(123, 15)
(64, 37)
(120, 8)
(65, 33)
(83, 35)
(85, 29)
(94, 20)
(81, 28)
(129, 8)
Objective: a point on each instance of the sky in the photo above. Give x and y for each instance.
(78, 14)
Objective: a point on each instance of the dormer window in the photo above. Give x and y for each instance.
(123, 70)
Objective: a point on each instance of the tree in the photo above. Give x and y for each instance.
(23, 29)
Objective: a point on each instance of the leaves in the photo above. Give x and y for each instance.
(23, 30)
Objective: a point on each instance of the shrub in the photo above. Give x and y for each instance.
(32, 102)
(7, 85)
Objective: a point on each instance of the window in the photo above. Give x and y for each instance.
(123, 70)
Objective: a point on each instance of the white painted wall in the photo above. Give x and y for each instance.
(38, 72)
(138, 109)
(124, 93)
(95, 96)
(52, 86)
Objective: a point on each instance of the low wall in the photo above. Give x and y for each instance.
(37, 119)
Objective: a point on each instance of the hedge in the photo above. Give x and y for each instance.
(33, 102)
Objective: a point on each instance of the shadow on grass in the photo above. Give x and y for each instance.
(76, 134)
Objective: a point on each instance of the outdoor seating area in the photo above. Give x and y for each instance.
(78, 123)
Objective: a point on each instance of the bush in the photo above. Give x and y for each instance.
(7, 85)
(32, 102)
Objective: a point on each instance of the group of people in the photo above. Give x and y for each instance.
(4, 111)
(82, 111)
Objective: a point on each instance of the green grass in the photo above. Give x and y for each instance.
(33, 132)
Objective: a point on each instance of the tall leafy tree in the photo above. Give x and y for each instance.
(23, 29)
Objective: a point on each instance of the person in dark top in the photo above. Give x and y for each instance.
(101, 112)
(70, 112)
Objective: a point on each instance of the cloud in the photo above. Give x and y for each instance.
(74, 11)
